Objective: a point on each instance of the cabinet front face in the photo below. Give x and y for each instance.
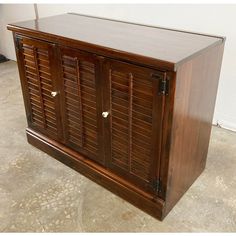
(81, 102)
(134, 122)
(37, 67)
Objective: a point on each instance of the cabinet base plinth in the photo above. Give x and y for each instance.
(144, 201)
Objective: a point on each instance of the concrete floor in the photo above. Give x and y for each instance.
(40, 194)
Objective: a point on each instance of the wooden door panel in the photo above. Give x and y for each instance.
(81, 103)
(134, 122)
(38, 77)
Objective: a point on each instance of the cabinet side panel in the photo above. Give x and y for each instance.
(196, 89)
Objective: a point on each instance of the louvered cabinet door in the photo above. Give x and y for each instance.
(81, 101)
(38, 79)
(134, 121)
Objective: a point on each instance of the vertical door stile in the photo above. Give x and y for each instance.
(157, 114)
(80, 102)
(106, 106)
(23, 79)
(98, 63)
(110, 106)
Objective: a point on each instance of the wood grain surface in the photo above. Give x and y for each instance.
(150, 42)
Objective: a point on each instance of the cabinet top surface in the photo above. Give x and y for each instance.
(153, 42)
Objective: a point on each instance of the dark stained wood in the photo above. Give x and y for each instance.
(157, 85)
(80, 98)
(130, 118)
(37, 69)
(133, 132)
(160, 44)
(194, 100)
(166, 135)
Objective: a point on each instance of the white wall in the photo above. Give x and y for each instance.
(12, 13)
(211, 19)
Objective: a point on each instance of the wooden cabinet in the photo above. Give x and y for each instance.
(129, 106)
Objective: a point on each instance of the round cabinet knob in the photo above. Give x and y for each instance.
(54, 94)
(105, 114)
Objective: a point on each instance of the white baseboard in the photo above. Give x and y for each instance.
(226, 125)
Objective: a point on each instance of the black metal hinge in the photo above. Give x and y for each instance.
(157, 185)
(163, 85)
(17, 42)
